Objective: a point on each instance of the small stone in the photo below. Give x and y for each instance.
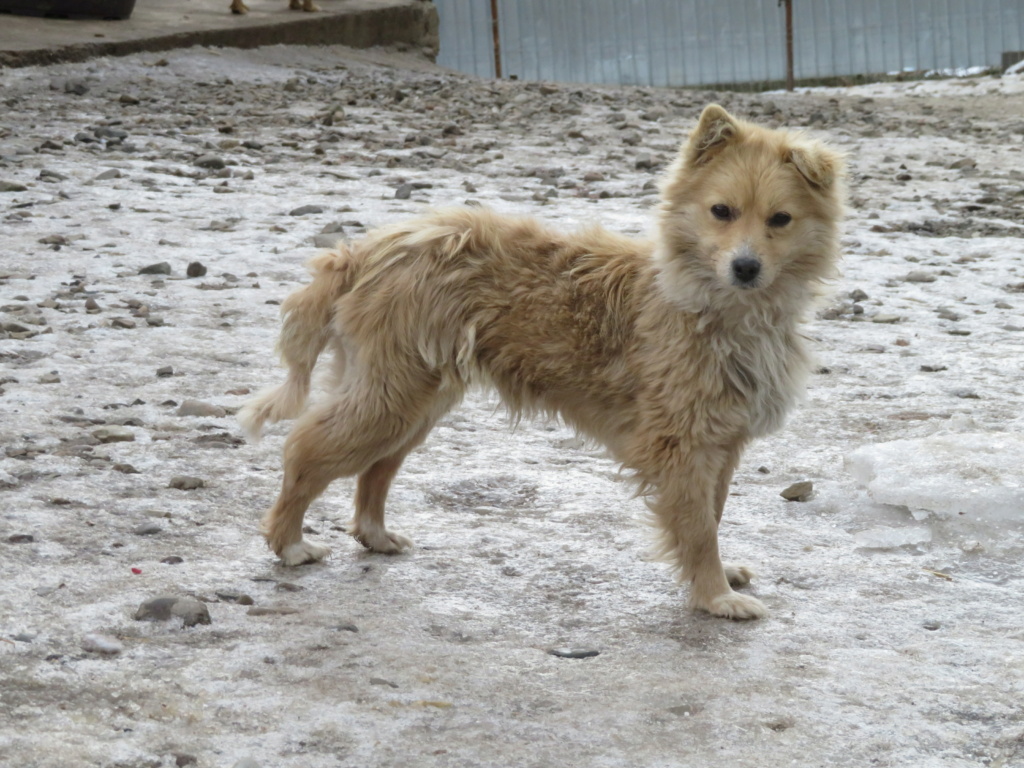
(211, 162)
(105, 644)
(644, 162)
(885, 319)
(920, 276)
(172, 560)
(963, 163)
(50, 378)
(147, 529)
(948, 314)
(76, 86)
(199, 408)
(12, 186)
(935, 368)
(122, 322)
(164, 372)
(801, 491)
(20, 538)
(111, 433)
(110, 173)
(235, 597)
(189, 610)
(287, 586)
(182, 759)
(574, 653)
(186, 483)
(195, 269)
(127, 98)
(931, 625)
(764, 470)
(246, 762)
(404, 192)
(92, 306)
(125, 469)
(382, 681)
(304, 210)
(272, 610)
(858, 295)
(326, 241)
(162, 268)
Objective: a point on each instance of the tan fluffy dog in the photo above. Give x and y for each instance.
(673, 353)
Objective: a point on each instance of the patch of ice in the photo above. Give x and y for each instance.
(974, 474)
(884, 537)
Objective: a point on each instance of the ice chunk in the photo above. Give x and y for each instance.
(976, 474)
(884, 537)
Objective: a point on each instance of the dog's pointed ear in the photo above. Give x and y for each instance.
(715, 129)
(820, 166)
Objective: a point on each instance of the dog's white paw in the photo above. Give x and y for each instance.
(381, 540)
(733, 605)
(304, 552)
(738, 575)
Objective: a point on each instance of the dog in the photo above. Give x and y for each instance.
(239, 7)
(673, 352)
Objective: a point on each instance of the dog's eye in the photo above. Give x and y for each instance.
(721, 212)
(780, 220)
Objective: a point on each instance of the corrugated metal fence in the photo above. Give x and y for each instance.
(703, 42)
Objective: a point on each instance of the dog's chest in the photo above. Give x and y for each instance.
(768, 371)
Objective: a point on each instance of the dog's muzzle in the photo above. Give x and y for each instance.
(745, 270)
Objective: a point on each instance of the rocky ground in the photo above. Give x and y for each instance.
(156, 210)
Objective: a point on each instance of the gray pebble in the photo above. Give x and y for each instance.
(147, 529)
(173, 560)
(212, 162)
(105, 644)
(111, 433)
(574, 653)
(20, 538)
(326, 241)
(199, 408)
(886, 319)
(162, 268)
(303, 210)
(50, 378)
(125, 469)
(164, 371)
(189, 610)
(12, 186)
(195, 269)
(404, 192)
(920, 276)
(931, 625)
(110, 173)
(801, 491)
(186, 483)
(76, 86)
(382, 681)
(122, 322)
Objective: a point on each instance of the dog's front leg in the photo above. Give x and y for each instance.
(687, 505)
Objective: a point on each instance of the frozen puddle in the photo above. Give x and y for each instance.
(968, 482)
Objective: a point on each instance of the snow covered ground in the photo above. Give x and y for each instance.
(895, 637)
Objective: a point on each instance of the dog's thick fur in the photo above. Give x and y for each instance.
(673, 353)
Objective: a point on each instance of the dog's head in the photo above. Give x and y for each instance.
(748, 212)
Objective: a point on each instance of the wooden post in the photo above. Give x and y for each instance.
(497, 39)
(789, 43)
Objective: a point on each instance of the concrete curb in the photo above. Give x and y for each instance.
(357, 24)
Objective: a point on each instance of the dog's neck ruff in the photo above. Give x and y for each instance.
(754, 336)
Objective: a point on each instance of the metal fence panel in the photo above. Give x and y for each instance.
(701, 42)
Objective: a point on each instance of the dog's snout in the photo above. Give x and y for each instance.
(745, 269)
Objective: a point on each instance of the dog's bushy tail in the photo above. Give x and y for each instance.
(307, 314)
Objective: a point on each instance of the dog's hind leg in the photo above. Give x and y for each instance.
(338, 439)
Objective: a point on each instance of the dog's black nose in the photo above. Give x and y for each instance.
(746, 269)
